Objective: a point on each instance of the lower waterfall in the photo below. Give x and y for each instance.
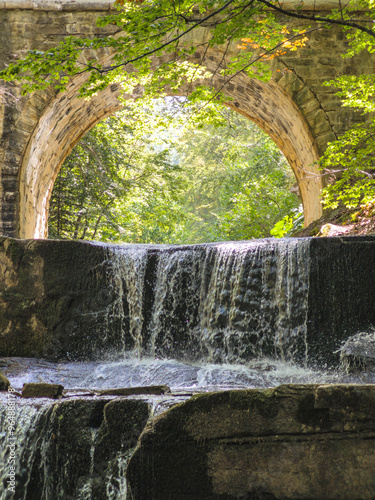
(220, 303)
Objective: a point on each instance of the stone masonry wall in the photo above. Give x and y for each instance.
(39, 130)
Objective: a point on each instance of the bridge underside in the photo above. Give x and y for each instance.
(39, 130)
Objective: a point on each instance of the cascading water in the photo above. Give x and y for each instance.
(218, 303)
(128, 279)
(18, 438)
(236, 314)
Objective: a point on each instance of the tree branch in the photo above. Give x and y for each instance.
(313, 17)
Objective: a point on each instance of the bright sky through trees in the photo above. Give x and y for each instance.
(222, 180)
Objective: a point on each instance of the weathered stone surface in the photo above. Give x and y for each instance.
(4, 382)
(123, 422)
(341, 293)
(42, 390)
(131, 391)
(70, 300)
(57, 299)
(358, 353)
(292, 442)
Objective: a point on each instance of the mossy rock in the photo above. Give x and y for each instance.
(4, 382)
(42, 390)
(294, 441)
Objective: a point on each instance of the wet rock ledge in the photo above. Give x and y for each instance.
(292, 442)
(73, 300)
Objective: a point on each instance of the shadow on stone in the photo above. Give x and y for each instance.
(291, 442)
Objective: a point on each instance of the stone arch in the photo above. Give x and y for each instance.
(67, 118)
(62, 125)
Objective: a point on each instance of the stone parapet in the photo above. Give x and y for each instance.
(82, 5)
(56, 5)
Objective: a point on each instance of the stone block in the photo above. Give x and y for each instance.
(330, 102)
(295, 87)
(8, 214)
(304, 96)
(291, 442)
(10, 169)
(41, 390)
(287, 79)
(4, 382)
(340, 119)
(323, 140)
(297, 61)
(321, 127)
(327, 72)
(318, 119)
(309, 107)
(315, 84)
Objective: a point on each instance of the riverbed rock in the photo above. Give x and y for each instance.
(123, 422)
(4, 382)
(132, 391)
(358, 353)
(42, 390)
(291, 442)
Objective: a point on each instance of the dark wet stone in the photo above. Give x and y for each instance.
(81, 446)
(4, 382)
(57, 300)
(68, 300)
(341, 294)
(358, 353)
(124, 421)
(132, 391)
(294, 441)
(42, 390)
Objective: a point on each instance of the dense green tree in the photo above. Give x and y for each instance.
(223, 180)
(109, 179)
(350, 161)
(239, 182)
(149, 27)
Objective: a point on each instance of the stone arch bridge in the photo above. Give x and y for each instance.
(39, 130)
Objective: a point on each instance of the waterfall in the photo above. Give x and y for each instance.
(218, 303)
(290, 299)
(128, 279)
(254, 301)
(197, 318)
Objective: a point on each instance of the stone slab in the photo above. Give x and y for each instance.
(283, 443)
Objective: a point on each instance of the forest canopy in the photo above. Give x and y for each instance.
(221, 181)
